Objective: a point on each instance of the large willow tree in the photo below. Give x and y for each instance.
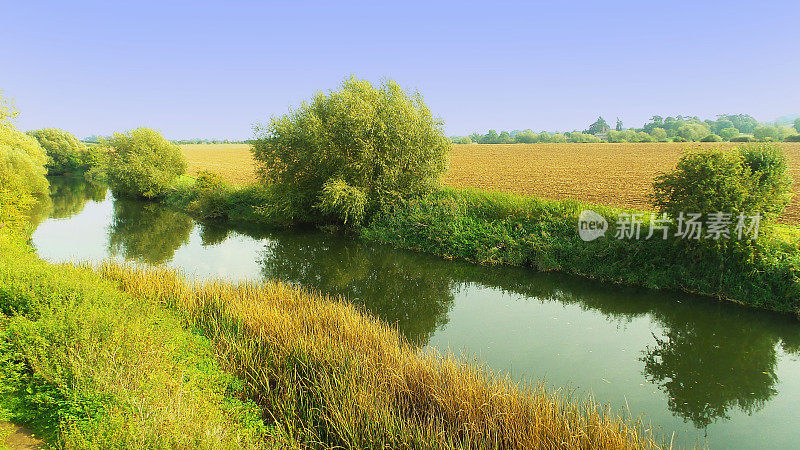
(343, 155)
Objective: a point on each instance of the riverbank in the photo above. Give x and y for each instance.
(496, 228)
(124, 356)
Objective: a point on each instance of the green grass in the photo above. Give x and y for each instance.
(497, 228)
(86, 365)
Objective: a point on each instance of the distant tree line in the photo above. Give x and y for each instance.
(93, 139)
(726, 127)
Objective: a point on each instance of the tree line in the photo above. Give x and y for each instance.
(726, 127)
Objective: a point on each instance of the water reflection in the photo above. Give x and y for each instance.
(147, 232)
(710, 359)
(392, 285)
(68, 196)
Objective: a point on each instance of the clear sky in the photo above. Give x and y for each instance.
(211, 69)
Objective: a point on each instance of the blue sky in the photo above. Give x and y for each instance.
(211, 69)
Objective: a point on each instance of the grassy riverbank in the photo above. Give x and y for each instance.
(127, 357)
(497, 228)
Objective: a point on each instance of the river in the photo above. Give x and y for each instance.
(704, 370)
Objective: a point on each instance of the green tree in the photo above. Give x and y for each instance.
(619, 125)
(750, 179)
(599, 126)
(356, 149)
(659, 134)
(797, 125)
(22, 171)
(526, 137)
(693, 131)
(767, 133)
(728, 133)
(65, 153)
(141, 163)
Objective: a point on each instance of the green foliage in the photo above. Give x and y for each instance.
(599, 126)
(210, 193)
(693, 131)
(65, 153)
(678, 139)
(22, 172)
(797, 125)
(711, 138)
(728, 134)
(578, 137)
(461, 140)
(793, 138)
(742, 139)
(381, 141)
(749, 180)
(141, 163)
(343, 201)
(87, 366)
(496, 228)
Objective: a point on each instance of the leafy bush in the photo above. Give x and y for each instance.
(678, 139)
(210, 196)
(343, 201)
(711, 138)
(22, 172)
(65, 153)
(793, 138)
(751, 179)
(742, 139)
(141, 163)
(728, 134)
(382, 142)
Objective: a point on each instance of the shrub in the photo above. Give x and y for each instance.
(793, 138)
(750, 179)
(65, 153)
(341, 200)
(728, 134)
(380, 141)
(141, 163)
(742, 139)
(711, 138)
(22, 172)
(679, 139)
(210, 196)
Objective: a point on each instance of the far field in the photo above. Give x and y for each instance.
(608, 174)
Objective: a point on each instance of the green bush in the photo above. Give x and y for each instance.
(793, 138)
(65, 153)
(22, 172)
(750, 179)
(741, 139)
(382, 142)
(711, 138)
(343, 201)
(679, 139)
(210, 194)
(141, 163)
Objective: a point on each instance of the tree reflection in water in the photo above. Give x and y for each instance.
(147, 232)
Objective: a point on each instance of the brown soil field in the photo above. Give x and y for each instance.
(608, 174)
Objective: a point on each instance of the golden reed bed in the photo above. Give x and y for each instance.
(608, 174)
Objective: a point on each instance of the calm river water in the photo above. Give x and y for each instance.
(703, 370)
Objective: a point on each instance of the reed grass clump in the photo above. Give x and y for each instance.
(327, 375)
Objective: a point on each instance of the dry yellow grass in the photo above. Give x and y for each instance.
(326, 374)
(608, 174)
